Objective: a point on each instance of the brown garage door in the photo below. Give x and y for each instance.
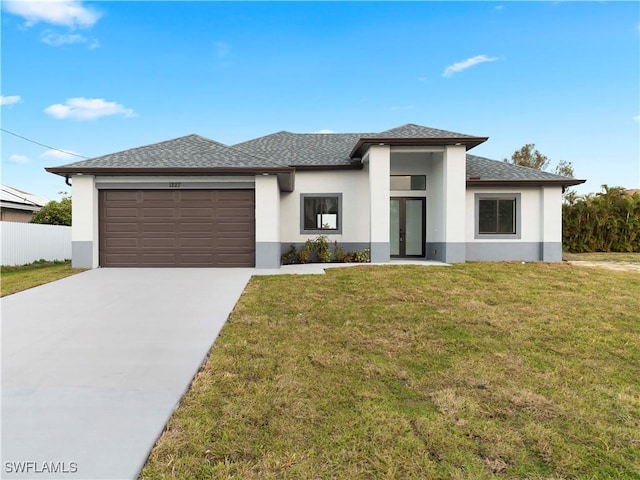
(177, 228)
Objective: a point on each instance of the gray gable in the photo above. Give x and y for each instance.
(486, 169)
(191, 151)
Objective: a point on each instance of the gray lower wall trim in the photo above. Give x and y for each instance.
(268, 254)
(380, 252)
(446, 252)
(508, 251)
(82, 254)
(455, 252)
(551, 251)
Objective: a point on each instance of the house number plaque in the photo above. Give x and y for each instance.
(174, 185)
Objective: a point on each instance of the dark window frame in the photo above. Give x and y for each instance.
(516, 198)
(320, 231)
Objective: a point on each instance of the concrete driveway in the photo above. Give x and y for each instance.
(93, 365)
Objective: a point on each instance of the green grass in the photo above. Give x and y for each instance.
(472, 371)
(16, 279)
(602, 257)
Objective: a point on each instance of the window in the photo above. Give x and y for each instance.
(497, 215)
(408, 182)
(321, 213)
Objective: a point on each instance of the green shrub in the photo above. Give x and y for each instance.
(318, 250)
(608, 221)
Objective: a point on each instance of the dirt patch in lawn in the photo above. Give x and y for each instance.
(634, 267)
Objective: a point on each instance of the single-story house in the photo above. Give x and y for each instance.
(408, 192)
(19, 206)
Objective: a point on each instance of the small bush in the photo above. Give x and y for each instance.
(318, 250)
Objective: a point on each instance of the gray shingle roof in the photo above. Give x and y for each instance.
(298, 149)
(191, 151)
(487, 169)
(411, 130)
(286, 149)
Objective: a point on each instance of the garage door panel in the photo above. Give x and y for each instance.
(204, 228)
(159, 227)
(159, 242)
(121, 213)
(232, 212)
(122, 242)
(177, 228)
(121, 195)
(204, 213)
(122, 227)
(158, 212)
(158, 195)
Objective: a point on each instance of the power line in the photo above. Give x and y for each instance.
(42, 144)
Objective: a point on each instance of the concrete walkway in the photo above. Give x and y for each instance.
(93, 365)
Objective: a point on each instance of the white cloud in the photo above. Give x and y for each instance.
(18, 158)
(468, 63)
(223, 49)
(498, 7)
(56, 39)
(10, 100)
(637, 118)
(58, 155)
(67, 13)
(81, 108)
(325, 130)
(401, 107)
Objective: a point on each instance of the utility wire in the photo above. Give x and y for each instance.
(42, 144)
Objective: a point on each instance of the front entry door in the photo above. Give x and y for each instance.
(408, 226)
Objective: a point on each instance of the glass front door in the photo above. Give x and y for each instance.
(408, 215)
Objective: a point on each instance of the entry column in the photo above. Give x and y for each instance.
(379, 201)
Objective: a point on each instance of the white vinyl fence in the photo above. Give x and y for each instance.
(24, 243)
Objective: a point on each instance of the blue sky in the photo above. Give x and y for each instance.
(98, 77)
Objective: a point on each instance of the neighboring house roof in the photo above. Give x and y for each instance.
(284, 152)
(17, 199)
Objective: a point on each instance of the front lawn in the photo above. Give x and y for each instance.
(16, 279)
(470, 371)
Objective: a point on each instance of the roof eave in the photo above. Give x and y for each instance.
(363, 143)
(472, 182)
(285, 175)
(356, 164)
(64, 171)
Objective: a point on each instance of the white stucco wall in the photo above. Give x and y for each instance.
(354, 186)
(84, 212)
(537, 204)
(551, 199)
(267, 209)
(455, 166)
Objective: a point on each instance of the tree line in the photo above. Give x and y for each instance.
(607, 221)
